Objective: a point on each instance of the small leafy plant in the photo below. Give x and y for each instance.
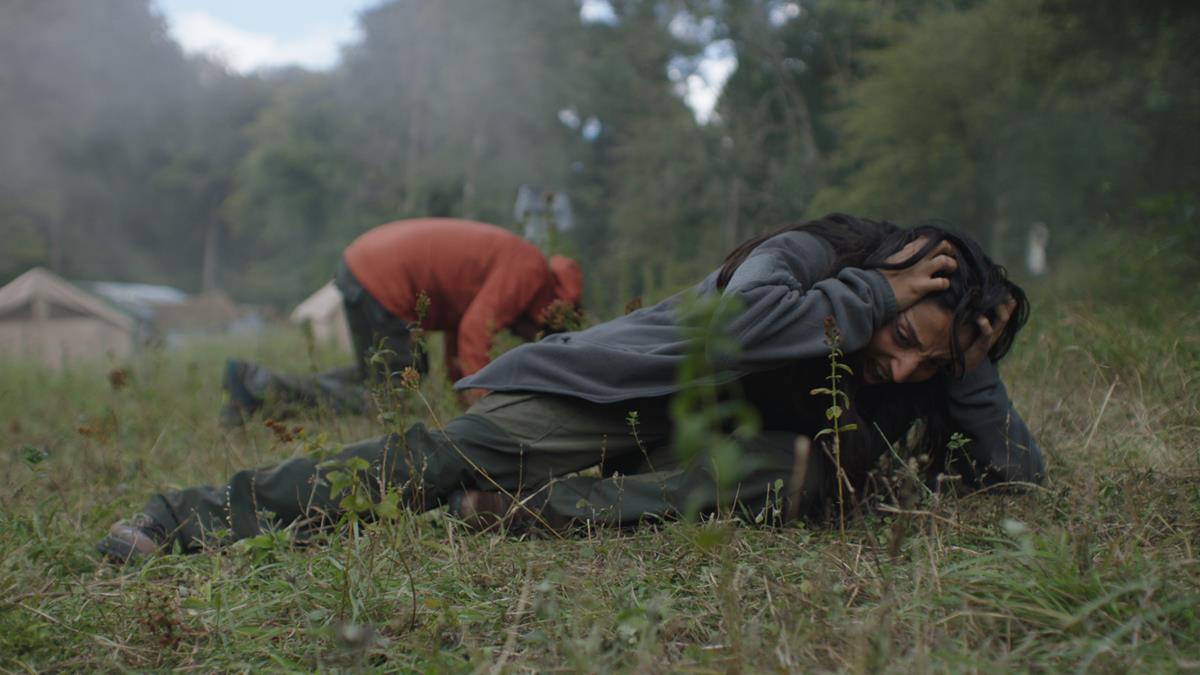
(839, 403)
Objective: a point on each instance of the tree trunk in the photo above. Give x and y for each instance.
(54, 245)
(800, 119)
(208, 267)
(415, 131)
(999, 228)
(730, 234)
(471, 177)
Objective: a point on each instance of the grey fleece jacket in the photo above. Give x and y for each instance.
(785, 292)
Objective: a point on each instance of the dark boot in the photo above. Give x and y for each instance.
(129, 541)
(240, 403)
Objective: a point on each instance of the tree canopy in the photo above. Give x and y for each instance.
(126, 159)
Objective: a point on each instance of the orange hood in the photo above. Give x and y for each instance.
(568, 279)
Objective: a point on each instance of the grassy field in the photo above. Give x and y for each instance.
(1097, 571)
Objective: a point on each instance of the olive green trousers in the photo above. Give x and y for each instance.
(531, 445)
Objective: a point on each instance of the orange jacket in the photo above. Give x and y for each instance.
(479, 279)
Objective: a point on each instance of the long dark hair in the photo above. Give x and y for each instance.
(977, 287)
(853, 240)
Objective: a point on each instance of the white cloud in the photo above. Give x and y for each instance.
(781, 14)
(597, 11)
(245, 51)
(701, 89)
(569, 117)
(685, 27)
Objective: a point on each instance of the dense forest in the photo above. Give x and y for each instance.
(125, 159)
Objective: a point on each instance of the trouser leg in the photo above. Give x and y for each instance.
(768, 480)
(472, 452)
(425, 465)
(254, 499)
(523, 441)
(382, 347)
(546, 438)
(517, 443)
(383, 342)
(282, 394)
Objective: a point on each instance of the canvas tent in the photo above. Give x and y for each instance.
(45, 318)
(323, 311)
(140, 300)
(173, 317)
(208, 313)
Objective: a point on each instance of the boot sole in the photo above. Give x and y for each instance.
(118, 551)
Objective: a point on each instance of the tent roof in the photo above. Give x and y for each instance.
(206, 311)
(141, 300)
(319, 305)
(42, 283)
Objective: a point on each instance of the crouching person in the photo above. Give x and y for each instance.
(464, 278)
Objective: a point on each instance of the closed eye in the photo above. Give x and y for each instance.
(944, 366)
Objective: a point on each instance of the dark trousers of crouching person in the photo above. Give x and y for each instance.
(375, 332)
(528, 444)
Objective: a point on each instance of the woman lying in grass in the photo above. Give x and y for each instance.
(922, 315)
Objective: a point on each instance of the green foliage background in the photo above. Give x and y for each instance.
(125, 159)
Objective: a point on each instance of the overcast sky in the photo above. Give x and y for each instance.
(252, 34)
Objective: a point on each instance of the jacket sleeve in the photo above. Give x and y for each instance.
(1001, 449)
(786, 293)
(507, 292)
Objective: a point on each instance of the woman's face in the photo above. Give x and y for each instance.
(910, 348)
